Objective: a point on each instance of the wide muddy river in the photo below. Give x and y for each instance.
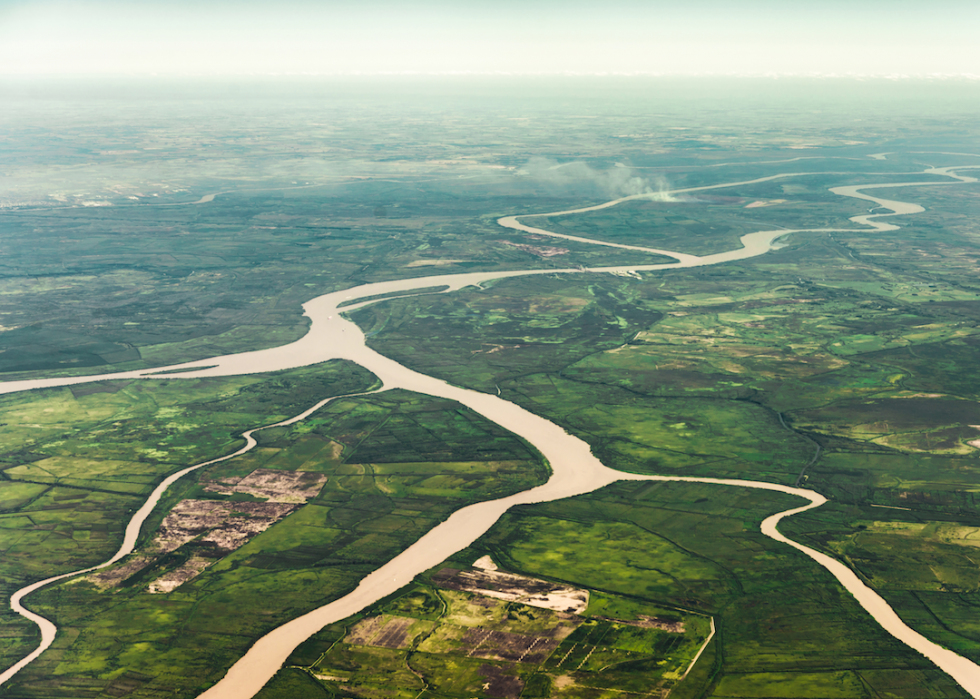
(575, 470)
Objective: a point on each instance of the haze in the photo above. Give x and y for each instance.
(759, 37)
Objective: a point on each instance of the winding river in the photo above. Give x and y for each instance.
(575, 470)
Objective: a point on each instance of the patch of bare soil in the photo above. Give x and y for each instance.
(245, 521)
(975, 443)
(515, 588)
(226, 525)
(272, 485)
(394, 634)
(510, 647)
(114, 576)
(330, 678)
(188, 520)
(382, 632)
(175, 578)
(432, 263)
(493, 350)
(564, 682)
(650, 622)
(485, 563)
(364, 631)
(499, 683)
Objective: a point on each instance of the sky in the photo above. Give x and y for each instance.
(688, 37)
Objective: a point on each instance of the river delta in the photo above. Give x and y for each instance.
(343, 326)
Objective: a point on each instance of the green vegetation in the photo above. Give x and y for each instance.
(468, 644)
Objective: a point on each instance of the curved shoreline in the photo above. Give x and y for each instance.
(574, 469)
(965, 672)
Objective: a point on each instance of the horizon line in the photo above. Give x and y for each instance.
(773, 75)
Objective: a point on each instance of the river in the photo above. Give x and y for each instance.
(575, 470)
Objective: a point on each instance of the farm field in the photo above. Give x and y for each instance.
(450, 643)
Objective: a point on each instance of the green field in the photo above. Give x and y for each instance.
(459, 644)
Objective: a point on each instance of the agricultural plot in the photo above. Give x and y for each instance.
(474, 643)
(215, 527)
(271, 485)
(515, 588)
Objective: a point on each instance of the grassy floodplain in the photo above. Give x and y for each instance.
(844, 361)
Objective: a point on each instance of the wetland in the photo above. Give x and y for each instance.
(737, 370)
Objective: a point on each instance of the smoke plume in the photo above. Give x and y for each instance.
(578, 178)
